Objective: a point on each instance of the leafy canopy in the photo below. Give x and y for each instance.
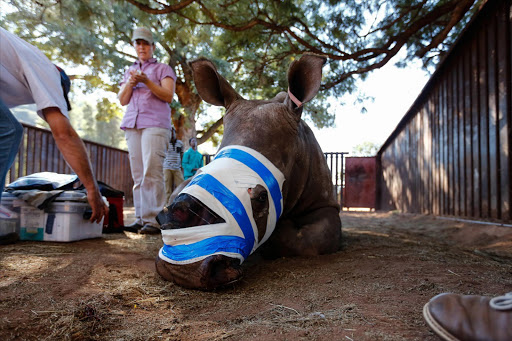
(251, 41)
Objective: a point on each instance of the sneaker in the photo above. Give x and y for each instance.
(148, 229)
(135, 227)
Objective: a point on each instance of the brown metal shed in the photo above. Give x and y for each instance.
(451, 153)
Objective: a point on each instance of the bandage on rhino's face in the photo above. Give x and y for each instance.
(268, 184)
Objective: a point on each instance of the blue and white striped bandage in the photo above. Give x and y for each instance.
(222, 186)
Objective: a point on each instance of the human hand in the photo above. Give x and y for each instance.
(138, 77)
(99, 208)
(132, 82)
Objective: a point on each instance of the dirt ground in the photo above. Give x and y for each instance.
(373, 289)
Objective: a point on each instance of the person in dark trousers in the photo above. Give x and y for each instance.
(192, 159)
(27, 76)
(173, 174)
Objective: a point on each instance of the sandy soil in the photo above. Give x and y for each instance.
(373, 289)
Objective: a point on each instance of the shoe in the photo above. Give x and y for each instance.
(148, 229)
(135, 227)
(9, 238)
(468, 317)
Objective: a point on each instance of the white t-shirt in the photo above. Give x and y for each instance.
(27, 76)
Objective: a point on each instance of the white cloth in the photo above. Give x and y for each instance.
(226, 193)
(27, 76)
(146, 148)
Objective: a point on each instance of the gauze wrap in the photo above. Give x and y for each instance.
(222, 186)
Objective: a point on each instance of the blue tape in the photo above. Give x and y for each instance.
(231, 203)
(206, 247)
(260, 169)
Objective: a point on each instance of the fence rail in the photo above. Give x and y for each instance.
(336, 163)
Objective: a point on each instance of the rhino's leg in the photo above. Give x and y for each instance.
(317, 233)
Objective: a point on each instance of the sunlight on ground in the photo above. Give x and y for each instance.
(358, 209)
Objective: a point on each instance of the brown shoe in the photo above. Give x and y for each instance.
(470, 318)
(148, 229)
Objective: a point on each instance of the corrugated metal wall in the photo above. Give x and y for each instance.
(451, 153)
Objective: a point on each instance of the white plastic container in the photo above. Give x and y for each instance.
(62, 221)
(9, 215)
(67, 219)
(28, 221)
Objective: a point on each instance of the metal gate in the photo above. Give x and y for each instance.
(361, 178)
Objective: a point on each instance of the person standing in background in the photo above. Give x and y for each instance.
(192, 159)
(172, 165)
(147, 88)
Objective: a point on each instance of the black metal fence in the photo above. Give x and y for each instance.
(336, 163)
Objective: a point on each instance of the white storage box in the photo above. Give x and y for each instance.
(67, 219)
(62, 221)
(9, 215)
(29, 221)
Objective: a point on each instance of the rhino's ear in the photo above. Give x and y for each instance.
(304, 77)
(211, 86)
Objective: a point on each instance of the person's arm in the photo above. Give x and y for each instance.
(164, 92)
(125, 93)
(75, 154)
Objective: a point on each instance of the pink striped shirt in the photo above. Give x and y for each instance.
(145, 110)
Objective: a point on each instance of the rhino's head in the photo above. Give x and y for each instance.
(231, 206)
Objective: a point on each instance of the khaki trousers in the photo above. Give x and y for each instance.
(146, 148)
(173, 177)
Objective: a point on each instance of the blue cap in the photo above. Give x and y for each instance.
(65, 82)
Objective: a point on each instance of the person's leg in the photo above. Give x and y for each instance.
(11, 132)
(168, 178)
(154, 142)
(133, 141)
(178, 178)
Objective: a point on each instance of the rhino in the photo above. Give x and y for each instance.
(269, 185)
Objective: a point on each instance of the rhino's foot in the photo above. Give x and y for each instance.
(209, 274)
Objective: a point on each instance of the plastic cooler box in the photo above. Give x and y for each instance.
(9, 214)
(29, 220)
(67, 219)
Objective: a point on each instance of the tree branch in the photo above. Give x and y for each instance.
(167, 9)
(209, 133)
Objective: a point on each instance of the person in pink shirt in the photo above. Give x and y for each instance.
(147, 88)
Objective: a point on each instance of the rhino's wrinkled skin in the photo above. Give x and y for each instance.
(310, 223)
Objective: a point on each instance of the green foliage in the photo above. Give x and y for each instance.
(108, 111)
(93, 123)
(251, 42)
(365, 149)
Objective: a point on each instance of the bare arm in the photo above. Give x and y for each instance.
(125, 93)
(73, 150)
